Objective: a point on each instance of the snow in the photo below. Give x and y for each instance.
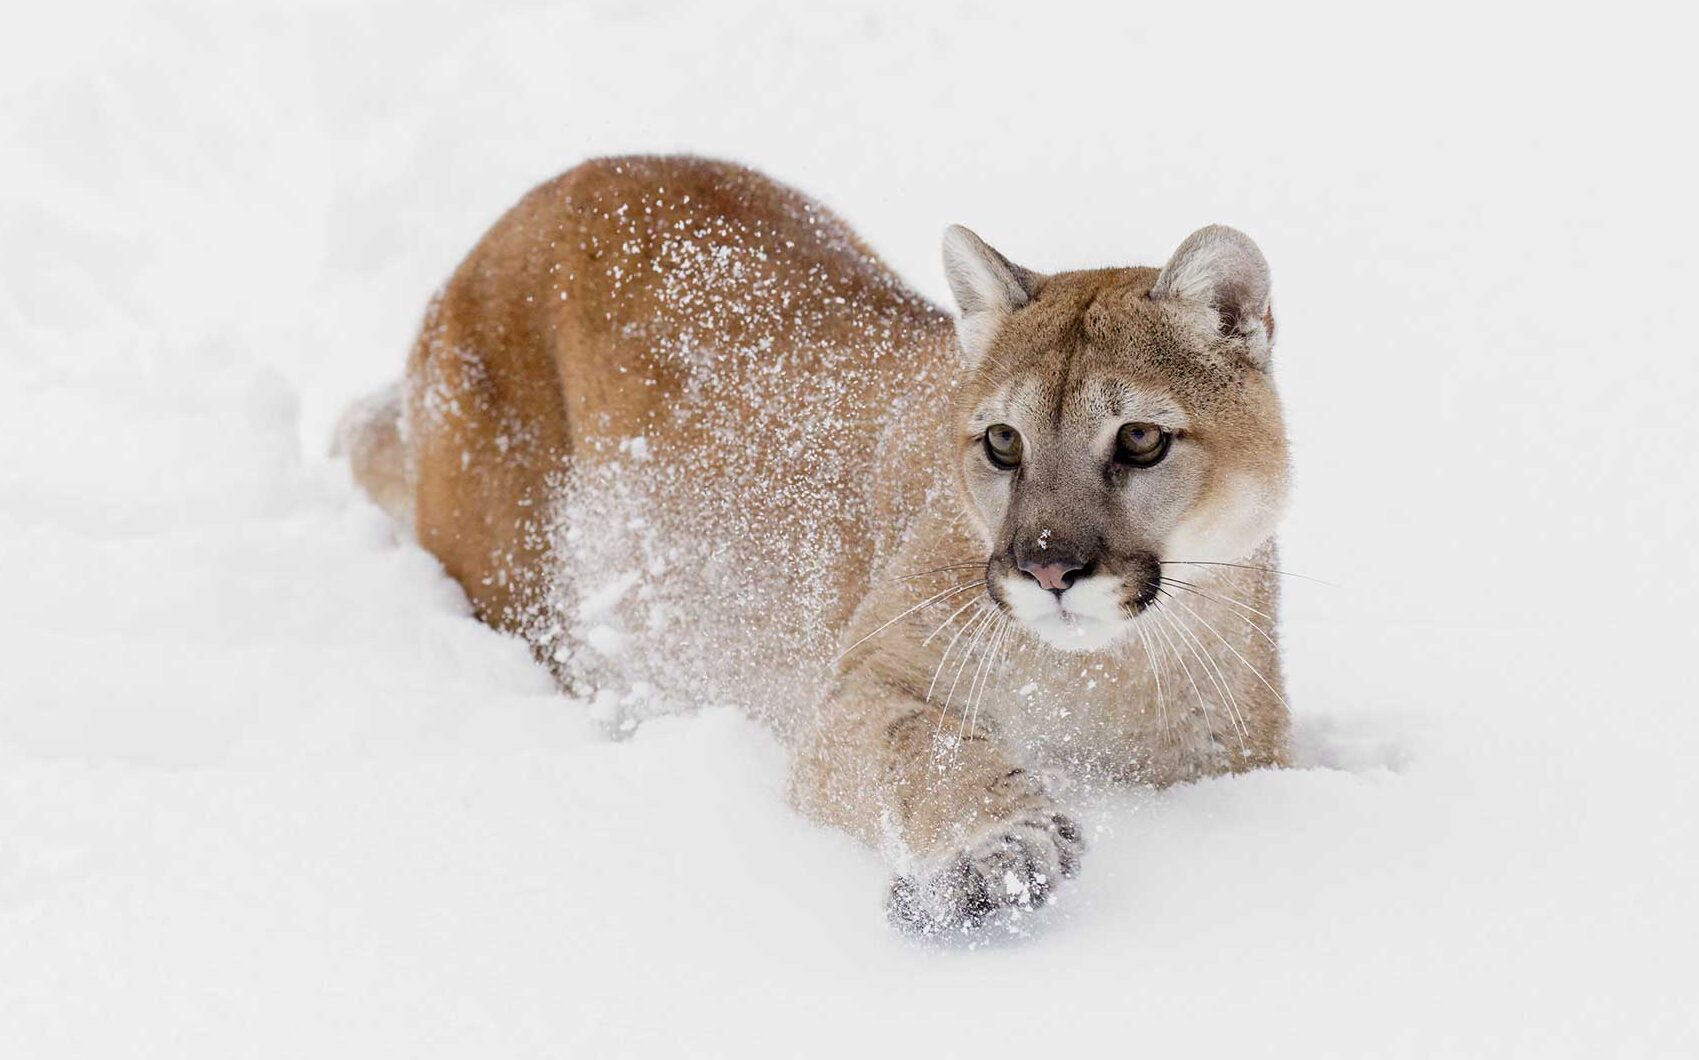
(267, 789)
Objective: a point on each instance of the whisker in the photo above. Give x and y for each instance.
(1193, 586)
(1009, 646)
(928, 602)
(1156, 674)
(1229, 646)
(1203, 704)
(947, 621)
(1250, 566)
(990, 671)
(961, 663)
(945, 657)
(968, 700)
(1218, 678)
(1229, 602)
(982, 619)
(941, 570)
(942, 659)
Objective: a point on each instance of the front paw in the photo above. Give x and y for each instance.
(1014, 867)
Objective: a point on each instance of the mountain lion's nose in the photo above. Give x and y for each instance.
(1055, 576)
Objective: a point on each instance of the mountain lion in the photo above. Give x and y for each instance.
(678, 427)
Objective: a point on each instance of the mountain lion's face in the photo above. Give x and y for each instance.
(1114, 421)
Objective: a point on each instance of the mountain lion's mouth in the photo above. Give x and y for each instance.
(1087, 616)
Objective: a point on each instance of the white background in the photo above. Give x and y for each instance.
(266, 789)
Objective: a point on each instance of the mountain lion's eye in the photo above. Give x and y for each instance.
(1141, 444)
(1003, 446)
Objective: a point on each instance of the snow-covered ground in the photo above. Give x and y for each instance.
(266, 789)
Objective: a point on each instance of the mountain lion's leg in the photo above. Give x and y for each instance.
(369, 434)
(980, 830)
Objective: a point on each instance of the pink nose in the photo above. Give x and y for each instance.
(1055, 577)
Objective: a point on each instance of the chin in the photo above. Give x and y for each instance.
(1078, 634)
(1090, 618)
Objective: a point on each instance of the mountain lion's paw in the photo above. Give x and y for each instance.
(1015, 867)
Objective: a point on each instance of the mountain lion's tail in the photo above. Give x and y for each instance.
(369, 434)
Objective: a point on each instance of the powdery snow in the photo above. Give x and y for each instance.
(267, 789)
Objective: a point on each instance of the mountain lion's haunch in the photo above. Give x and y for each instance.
(677, 426)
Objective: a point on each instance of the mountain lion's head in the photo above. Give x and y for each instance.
(1114, 420)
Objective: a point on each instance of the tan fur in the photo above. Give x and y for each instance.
(369, 435)
(677, 426)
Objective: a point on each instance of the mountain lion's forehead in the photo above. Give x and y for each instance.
(1103, 321)
(1033, 399)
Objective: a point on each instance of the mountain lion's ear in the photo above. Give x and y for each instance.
(987, 286)
(1220, 267)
